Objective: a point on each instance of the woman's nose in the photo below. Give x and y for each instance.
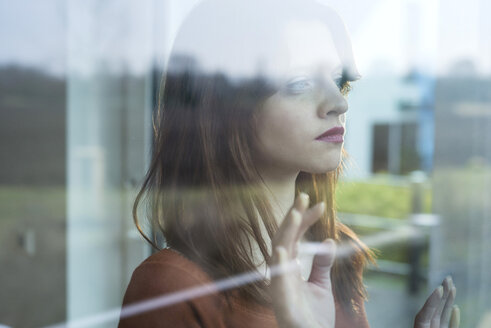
(332, 103)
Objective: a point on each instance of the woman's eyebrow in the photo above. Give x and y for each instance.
(347, 76)
(345, 73)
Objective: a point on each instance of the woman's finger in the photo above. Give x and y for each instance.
(447, 311)
(436, 321)
(301, 202)
(282, 287)
(322, 264)
(423, 318)
(280, 273)
(455, 317)
(278, 269)
(285, 237)
(310, 216)
(291, 222)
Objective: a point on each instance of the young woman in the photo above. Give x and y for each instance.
(248, 136)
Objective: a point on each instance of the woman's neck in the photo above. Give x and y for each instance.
(281, 195)
(280, 186)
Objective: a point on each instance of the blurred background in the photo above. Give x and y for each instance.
(78, 82)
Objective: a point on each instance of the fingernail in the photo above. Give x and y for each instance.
(454, 292)
(447, 283)
(322, 206)
(304, 197)
(440, 291)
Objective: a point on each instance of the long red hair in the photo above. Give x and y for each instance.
(205, 195)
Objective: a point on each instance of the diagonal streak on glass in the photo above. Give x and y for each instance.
(342, 251)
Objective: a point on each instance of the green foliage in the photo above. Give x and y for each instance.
(378, 198)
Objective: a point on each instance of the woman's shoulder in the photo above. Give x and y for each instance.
(167, 287)
(169, 270)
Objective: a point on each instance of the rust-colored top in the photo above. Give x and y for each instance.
(166, 274)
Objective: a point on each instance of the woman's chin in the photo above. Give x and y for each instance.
(325, 167)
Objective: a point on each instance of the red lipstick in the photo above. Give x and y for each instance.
(332, 135)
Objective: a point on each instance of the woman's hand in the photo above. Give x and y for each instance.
(438, 310)
(298, 303)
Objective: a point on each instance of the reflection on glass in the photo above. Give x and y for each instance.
(249, 94)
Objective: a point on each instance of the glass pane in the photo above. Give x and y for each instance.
(152, 152)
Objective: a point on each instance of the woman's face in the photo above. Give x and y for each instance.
(309, 102)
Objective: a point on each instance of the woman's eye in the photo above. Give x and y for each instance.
(345, 88)
(343, 85)
(299, 86)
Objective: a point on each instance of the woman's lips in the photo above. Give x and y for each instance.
(332, 135)
(335, 138)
